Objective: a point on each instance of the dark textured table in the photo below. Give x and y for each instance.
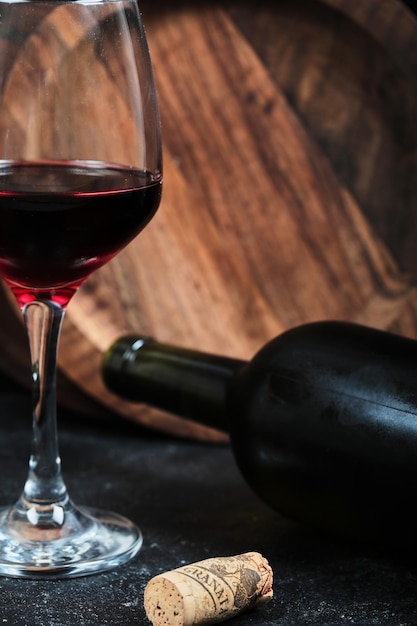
(191, 503)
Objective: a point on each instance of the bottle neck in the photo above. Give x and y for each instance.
(188, 383)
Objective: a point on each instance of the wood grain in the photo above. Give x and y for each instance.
(288, 195)
(355, 92)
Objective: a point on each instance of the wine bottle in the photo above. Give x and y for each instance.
(322, 421)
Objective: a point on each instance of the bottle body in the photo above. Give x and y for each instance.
(323, 424)
(324, 429)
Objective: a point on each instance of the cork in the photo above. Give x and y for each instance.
(209, 591)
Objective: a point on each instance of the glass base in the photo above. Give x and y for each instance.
(73, 542)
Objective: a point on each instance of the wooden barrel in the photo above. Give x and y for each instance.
(290, 182)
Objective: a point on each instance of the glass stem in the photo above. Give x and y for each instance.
(44, 485)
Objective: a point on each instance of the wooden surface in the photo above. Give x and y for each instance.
(290, 183)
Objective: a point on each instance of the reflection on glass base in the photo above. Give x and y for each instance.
(87, 541)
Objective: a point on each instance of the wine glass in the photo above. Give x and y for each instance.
(80, 176)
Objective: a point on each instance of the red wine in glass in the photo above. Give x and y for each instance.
(60, 222)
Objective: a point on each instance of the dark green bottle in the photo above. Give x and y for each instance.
(323, 420)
